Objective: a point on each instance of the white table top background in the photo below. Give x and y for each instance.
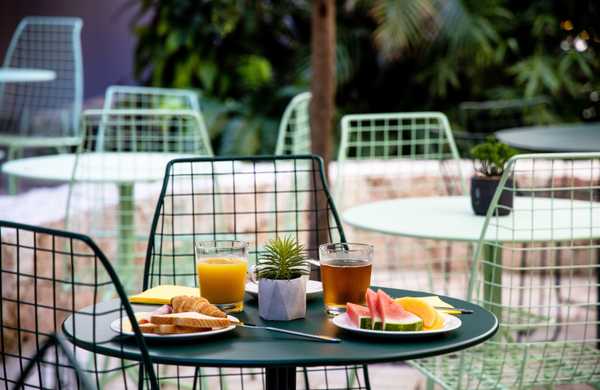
(22, 75)
(451, 218)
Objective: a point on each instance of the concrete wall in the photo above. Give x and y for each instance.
(107, 40)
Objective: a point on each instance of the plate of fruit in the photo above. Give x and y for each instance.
(385, 316)
(186, 317)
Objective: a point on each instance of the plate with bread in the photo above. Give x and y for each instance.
(184, 318)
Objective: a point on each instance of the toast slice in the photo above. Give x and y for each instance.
(190, 319)
(148, 328)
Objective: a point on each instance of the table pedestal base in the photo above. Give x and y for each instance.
(278, 378)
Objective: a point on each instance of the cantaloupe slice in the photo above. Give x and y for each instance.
(421, 309)
(438, 324)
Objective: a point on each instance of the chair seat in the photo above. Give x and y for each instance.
(515, 366)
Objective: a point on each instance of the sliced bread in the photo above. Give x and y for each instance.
(190, 319)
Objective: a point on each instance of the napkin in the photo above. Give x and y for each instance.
(437, 302)
(161, 295)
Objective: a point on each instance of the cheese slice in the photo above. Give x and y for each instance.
(161, 295)
(437, 302)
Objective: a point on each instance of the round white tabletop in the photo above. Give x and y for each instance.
(23, 75)
(451, 218)
(94, 167)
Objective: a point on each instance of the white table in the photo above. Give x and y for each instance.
(23, 75)
(118, 168)
(451, 219)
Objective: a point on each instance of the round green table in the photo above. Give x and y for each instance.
(280, 354)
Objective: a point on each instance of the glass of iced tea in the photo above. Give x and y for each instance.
(345, 273)
(221, 267)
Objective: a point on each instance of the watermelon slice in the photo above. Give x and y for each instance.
(359, 315)
(394, 317)
(371, 298)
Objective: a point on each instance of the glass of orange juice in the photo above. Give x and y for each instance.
(221, 267)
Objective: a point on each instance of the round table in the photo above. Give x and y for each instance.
(280, 354)
(24, 75)
(451, 218)
(118, 168)
(575, 137)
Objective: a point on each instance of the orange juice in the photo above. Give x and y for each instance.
(222, 281)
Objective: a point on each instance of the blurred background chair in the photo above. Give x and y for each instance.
(247, 206)
(48, 275)
(547, 303)
(393, 155)
(135, 97)
(117, 175)
(294, 128)
(479, 120)
(43, 114)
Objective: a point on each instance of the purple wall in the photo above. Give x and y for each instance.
(107, 41)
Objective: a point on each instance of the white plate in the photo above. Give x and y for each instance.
(116, 326)
(313, 288)
(450, 323)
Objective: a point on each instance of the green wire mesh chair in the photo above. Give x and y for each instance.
(43, 114)
(384, 156)
(68, 375)
(294, 128)
(48, 276)
(242, 198)
(134, 97)
(117, 176)
(547, 302)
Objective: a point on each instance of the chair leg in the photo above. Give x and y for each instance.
(12, 154)
(429, 384)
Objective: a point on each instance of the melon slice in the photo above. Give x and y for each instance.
(438, 324)
(394, 317)
(359, 315)
(420, 308)
(371, 298)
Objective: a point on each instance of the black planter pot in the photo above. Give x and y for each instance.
(483, 190)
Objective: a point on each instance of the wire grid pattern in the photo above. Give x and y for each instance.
(117, 175)
(46, 277)
(44, 109)
(252, 199)
(547, 301)
(61, 376)
(134, 97)
(396, 155)
(294, 128)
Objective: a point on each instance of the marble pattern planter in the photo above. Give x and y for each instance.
(282, 300)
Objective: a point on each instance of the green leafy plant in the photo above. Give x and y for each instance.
(283, 259)
(492, 155)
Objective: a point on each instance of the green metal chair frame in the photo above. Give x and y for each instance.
(552, 293)
(136, 97)
(113, 138)
(243, 198)
(294, 128)
(55, 274)
(60, 346)
(43, 114)
(409, 153)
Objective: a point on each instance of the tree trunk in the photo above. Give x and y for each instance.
(322, 105)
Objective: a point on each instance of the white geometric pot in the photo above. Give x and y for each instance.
(282, 300)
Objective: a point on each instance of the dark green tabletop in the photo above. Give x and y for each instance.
(574, 137)
(259, 348)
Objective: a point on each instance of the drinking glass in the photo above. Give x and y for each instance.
(221, 267)
(345, 273)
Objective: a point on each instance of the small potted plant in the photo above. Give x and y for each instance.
(491, 156)
(281, 283)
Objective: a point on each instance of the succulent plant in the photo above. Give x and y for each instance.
(492, 155)
(282, 259)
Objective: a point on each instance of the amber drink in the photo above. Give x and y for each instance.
(345, 273)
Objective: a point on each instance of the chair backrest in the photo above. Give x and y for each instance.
(49, 276)
(136, 97)
(537, 268)
(251, 199)
(44, 109)
(117, 177)
(294, 128)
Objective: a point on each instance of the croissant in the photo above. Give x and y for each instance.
(184, 303)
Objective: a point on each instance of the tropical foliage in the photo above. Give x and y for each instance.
(249, 57)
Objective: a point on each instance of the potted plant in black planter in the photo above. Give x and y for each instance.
(281, 271)
(490, 156)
